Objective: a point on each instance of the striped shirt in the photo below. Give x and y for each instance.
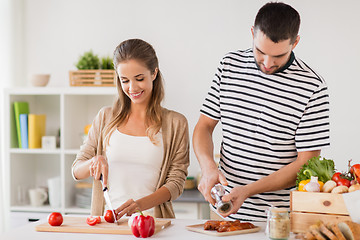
(265, 120)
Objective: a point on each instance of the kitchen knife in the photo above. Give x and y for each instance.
(107, 198)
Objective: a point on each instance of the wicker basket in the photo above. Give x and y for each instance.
(92, 78)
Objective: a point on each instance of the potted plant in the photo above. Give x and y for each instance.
(93, 71)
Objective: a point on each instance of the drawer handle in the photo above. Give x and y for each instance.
(33, 219)
(327, 203)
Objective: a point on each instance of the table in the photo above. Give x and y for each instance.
(177, 230)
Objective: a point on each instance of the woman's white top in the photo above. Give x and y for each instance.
(134, 166)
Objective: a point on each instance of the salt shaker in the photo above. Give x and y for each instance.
(217, 192)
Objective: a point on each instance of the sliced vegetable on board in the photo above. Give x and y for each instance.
(92, 220)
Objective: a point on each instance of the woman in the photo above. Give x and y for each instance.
(140, 148)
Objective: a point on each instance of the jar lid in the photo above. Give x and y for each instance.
(278, 210)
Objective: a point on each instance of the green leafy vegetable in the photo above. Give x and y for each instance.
(321, 168)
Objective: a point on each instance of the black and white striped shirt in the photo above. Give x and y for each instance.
(266, 120)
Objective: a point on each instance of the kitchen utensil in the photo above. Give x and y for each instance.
(38, 196)
(79, 225)
(107, 198)
(200, 229)
(217, 192)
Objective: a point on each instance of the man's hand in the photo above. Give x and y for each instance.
(208, 180)
(237, 196)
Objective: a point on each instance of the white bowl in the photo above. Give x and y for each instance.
(40, 80)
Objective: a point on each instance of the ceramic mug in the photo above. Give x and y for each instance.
(38, 196)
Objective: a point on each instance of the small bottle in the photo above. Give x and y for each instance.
(217, 192)
(278, 224)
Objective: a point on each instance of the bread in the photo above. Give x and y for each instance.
(317, 234)
(325, 231)
(314, 229)
(335, 229)
(350, 230)
(309, 236)
(346, 230)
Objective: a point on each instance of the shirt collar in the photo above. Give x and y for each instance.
(291, 59)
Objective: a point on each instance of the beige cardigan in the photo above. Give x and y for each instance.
(173, 173)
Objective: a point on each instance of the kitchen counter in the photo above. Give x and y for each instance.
(177, 230)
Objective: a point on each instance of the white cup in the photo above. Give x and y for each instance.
(38, 196)
(54, 191)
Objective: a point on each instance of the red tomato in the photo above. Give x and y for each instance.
(355, 169)
(344, 182)
(109, 217)
(55, 219)
(92, 220)
(336, 177)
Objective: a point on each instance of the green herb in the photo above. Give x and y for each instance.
(107, 63)
(323, 168)
(88, 61)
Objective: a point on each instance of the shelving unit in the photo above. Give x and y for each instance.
(70, 110)
(67, 109)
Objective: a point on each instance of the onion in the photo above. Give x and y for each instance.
(354, 187)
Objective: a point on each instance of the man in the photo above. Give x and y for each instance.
(274, 114)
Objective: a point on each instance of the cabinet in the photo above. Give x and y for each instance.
(68, 111)
(191, 205)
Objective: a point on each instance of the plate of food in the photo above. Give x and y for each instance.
(224, 228)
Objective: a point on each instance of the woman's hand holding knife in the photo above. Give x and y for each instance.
(98, 167)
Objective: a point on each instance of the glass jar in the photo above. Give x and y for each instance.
(278, 224)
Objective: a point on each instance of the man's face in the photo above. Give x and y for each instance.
(271, 56)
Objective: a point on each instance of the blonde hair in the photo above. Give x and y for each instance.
(139, 50)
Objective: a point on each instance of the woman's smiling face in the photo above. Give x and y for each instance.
(136, 81)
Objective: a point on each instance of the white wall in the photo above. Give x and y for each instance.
(9, 18)
(190, 38)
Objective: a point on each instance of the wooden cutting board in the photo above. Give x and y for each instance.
(200, 229)
(79, 225)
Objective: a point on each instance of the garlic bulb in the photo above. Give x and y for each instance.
(313, 185)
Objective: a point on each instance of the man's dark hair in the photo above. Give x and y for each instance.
(278, 21)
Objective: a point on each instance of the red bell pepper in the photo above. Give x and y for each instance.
(143, 226)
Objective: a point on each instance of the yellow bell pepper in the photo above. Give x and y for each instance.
(302, 185)
(321, 185)
(304, 182)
